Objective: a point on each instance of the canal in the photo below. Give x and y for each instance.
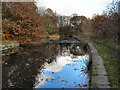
(60, 64)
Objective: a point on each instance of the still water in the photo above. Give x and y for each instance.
(49, 65)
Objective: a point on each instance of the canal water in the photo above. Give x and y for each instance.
(49, 65)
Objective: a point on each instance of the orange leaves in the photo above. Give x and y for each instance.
(16, 33)
(19, 22)
(22, 22)
(7, 35)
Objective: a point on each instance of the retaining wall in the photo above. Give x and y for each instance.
(99, 78)
(8, 49)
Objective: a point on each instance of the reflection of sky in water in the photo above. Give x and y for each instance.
(67, 71)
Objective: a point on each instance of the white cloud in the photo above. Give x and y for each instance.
(81, 7)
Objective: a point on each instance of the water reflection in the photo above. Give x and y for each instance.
(20, 70)
(66, 71)
(50, 65)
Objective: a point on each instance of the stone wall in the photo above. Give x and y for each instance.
(99, 78)
(8, 49)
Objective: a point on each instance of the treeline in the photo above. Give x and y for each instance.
(49, 20)
(106, 26)
(26, 23)
(21, 21)
(79, 26)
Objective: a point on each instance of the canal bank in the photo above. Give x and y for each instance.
(9, 48)
(6, 49)
(99, 78)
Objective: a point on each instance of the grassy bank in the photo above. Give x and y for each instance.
(110, 62)
(110, 43)
(53, 37)
(8, 42)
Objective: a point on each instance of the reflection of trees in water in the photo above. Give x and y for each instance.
(53, 69)
(21, 69)
(74, 48)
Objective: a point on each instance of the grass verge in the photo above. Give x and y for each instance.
(53, 37)
(110, 43)
(110, 62)
(8, 42)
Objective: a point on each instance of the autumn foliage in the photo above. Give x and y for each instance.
(21, 22)
(106, 26)
(50, 24)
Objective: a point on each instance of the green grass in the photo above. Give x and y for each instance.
(7, 42)
(112, 44)
(110, 62)
(53, 37)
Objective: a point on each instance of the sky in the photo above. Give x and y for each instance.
(82, 7)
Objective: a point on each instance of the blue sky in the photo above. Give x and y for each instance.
(82, 7)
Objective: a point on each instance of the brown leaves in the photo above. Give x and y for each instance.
(50, 24)
(84, 85)
(22, 20)
(79, 85)
(7, 35)
(64, 81)
(85, 71)
(58, 77)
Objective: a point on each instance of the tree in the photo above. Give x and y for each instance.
(22, 21)
(114, 6)
(98, 26)
(106, 26)
(41, 11)
(77, 22)
(50, 12)
(50, 24)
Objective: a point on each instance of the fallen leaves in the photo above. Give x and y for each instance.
(84, 85)
(64, 81)
(85, 70)
(79, 85)
(58, 77)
